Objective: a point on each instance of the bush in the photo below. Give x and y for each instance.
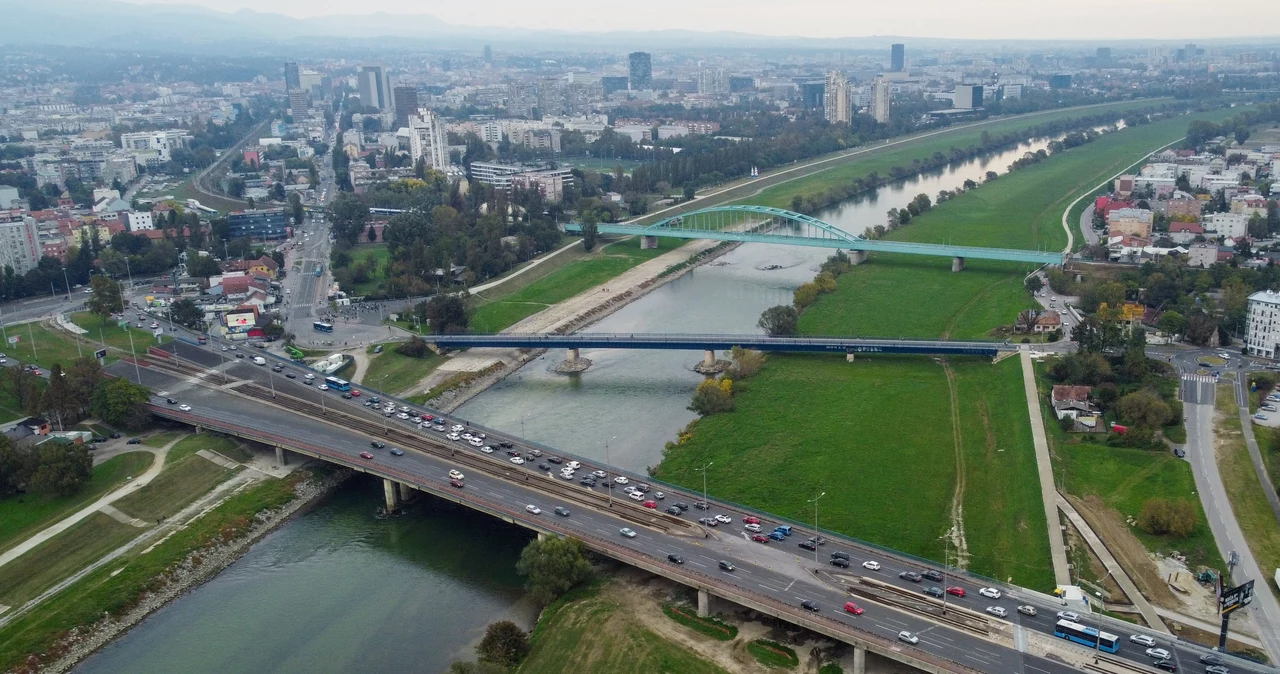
(773, 654)
(806, 294)
(1161, 516)
(504, 643)
(416, 347)
(712, 627)
(746, 362)
(552, 566)
(712, 397)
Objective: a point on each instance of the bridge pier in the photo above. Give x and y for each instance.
(573, 363)
(957, 263)
(282, 456)
(710, 365)
(406, 492)
(648, 242)
(704, 604)
(390, 492)
(848, 357)
(859, 659)
(857, 257)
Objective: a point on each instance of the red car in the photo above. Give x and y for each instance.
(750, 520)
(956, 590)
(366, 455)
(427, 417)
(650, 504)
(355, 393)
(853, 608)
(455, 483)
(760, 538)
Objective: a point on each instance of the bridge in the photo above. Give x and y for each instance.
(233, 396)
(762, 224)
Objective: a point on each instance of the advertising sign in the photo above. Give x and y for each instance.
(1237, 597)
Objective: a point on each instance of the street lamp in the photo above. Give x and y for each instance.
(66, 283)
(707, 506)
(814, 501)
(608, 486)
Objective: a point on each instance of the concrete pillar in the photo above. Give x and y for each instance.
(957, 263)
(405, 491)
(709, 358)
(389, 490)
(542, 535)
(848, 357)
(282, 457)
(859, 659)
(857, 257)
(647, 242)
(572, 356)
(198, 429)
(704, 604)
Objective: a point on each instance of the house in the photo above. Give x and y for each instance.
(1187, 208)
(1047, 322)
(1072, 401)
(263, 266)
(1129, 312)
(1203, 255)
(1184, 232)
(1135, 221)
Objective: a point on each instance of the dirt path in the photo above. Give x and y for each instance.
(362, 364)
(956, 533)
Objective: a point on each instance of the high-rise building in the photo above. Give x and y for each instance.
(292, 81)
(265, 223)
(897, 58)
(1103, 56)
(968, 96)
(1059, 81)
(488, 54)
(812, 94)
(710, 80)
(836, 105)
(427, 140)
(406, 104)
(611, 84)
(310, 81)
(298, 103)
(374, 91)
(880, 95)
(641, 70)
(19, 242)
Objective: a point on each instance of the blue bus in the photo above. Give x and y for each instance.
(1086, 636)
(338, 384)
(321, 326)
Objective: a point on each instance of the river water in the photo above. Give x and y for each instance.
(337, 590)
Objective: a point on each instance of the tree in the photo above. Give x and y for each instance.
(712, 397)
(504, 643)
(1161, 516)
(746, 362)
(348, 216)
(58, 400)
(63, 469)
(779, 321)
(1172, 323)
(1034, 283)
(446, 314)
(16, 466)
(806, 294)
(589, 229)
(202, 266)
(1143, 408)
(119, 402)
(372, 234)
(552, 566)
(105, 297)
(184, 312)
(1081, 369)
(416, 347)
(690, 191)
(295, 201)
(1200, 328)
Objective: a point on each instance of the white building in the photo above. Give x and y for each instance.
(1227, 225)
(491, 132)
(163, 142)
(1203, 255)
(1262, 326)
(836, 102)
(880, 95)
(137, 221)
(968, 96)
(427, 140)
(19, 242)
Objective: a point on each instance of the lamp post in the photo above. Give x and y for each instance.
(608, 486)
(814, 501)
(707, 506)
(66, 283)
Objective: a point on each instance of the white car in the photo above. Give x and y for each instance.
(466, 435)
(989, 593)
(997, 611)
(627, 532)
(873, 566)
(533, 509)
(455, 475)
(475, 442)
(636, 496)
(402, 415)
(600, 473)
(908, 637)
(1142, 640)
(1069, 615)
(487, 449)
(517, 460)
(184, 408)
(457, 428)
(753, 528)
(323, 387)
(574, 465)
(454, 436)
(630, 490)
(1158, 653)
(723, 519)
(621, 480)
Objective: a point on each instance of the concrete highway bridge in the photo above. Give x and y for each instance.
(233, 396)
(762, 224)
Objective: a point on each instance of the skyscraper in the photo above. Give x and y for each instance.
(427, 140)
(641, 70)
(298, 104)
(374, 91)
(897, 58)
(880, 100)
(406, 104)
(488, 54)
(836, 103)
(292, 81)
(813, 93)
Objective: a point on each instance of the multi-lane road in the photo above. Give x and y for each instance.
(778, 572)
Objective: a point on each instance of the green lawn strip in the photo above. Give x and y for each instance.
(831, 668)
(177, 485)
(376, 254)
(393, 372)
(116, 587)
(10, 410)
(51, 346)
(1248, 502)
(1267, 444)
(114, 336)
(493, 315)
(22, 516)
(773, 654)
(688, 616)
(221, 444)
(24, 578)
(162, 439)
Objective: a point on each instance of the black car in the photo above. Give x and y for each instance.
(811, 606)
(702, 505)
(134, 441)
(239, 355)
(1211, 659)
(512, 452)
(840, 555)
(675, 559)
(587, 482)
(1165, 665)
(171, 401)
(930, 574)
(347, 395)
(682, 506)
(562, 511)
(277, 368)
(553, 459)
(376, 445)
(115, 435)
(911, 576)
(642, 488)
(726, 566)
(842, 563)
(543, 466)
(933, 591)
(674, 511)
(808, 545)
(507, 445)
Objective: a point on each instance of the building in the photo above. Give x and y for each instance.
(1202, 255)
(504, 176)
(1132, 221)
(613, 83)
(406, 104)
(1072, 401)
(162, 142)
(1186, 210)
(373, 89)
(549, 183)
(137, 221)
(8, 195)
(641, 71)
(741, 83)
(1262, 325)
(1059, 81)
(1124, 186)
(897, 58)
(292, 76)
(488, 54)
(837, 106)
(427, 140)
(968, 96)
(299, 103)
(880, 96)
(1184, 232)
(263, 223)
(812, 94)
(19, 242)
(1227, 225)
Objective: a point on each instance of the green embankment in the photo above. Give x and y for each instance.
(1248, 502)
(393, 373)
(24, 578)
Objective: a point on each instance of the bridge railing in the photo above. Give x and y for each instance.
(674, 337)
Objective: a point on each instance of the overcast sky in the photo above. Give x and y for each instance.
(1017, 19)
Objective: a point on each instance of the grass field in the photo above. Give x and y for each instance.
(162, 439)
(48, 563)
(22, 516)
(113, 335)
(1248, 502)
(226, 446)
(377, 255)
(590, 631)
(180, 483)
(877, 437)
(493, 313)
(51, 346)
(392, 372)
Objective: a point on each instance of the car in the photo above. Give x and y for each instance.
(659, 495)
(636, 496)
(566, 477)
(171, 401)
(776, 535)
(621, 480)
(702, 505)
(760, 538)
(562, 511)
(115, 436)
(517, 460)
(533, 509)
(726, 566)
(1027, 609)
(541, 466)
(535, 453)
(873, 566)
(1212, 659)
(454, 436)
(277, 368)
(325, 387)
(457, 428)
(1179, 452)
(840, 555)
(930, 574)
(402, 416)
(184, 408)
(707, 522)
(911, 576)
(1216, 669)
(933, 591)
(997, 611)
(955, 591)
(753, 528)
(455, 483)
(810, 606)
(134, 441)
(625, 531)
(1069, 615)
(1165, 665)
(554, 459)
(587, 482)
(681, 505)
(908, 637)
(290, 375)
(720, 518)
(1158, 653)
(751, 519)
(643, 488)
(397, 452)
(375, 399)
(628, 490)
(366, 455)
(989, 592)
(575, 465)
(1142, 640)
(1260, 416)
(808, 545)
(850, 607)
(239, 355)
(675, 559)
(456, 474)
(404, 408)
(347, 396)
(674, 511)
(597, 473)
(842, 563)
(355, 393)
(650, 504)
(784, 529)
(486, 449)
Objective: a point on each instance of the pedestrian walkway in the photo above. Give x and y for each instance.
(1202, 378)
(217, 458)
(120, 516)
(1048, 492)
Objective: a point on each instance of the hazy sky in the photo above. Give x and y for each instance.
(1030, 19)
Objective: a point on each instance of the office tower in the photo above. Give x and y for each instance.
(880, 95)
(836, 105)
(897, 58)
(1103, 56)
(298, 104)
(374, 91)
(641, 71)
(406, 104)
(812, 94)
(488, 54)
(427, 140)
(611, 84)
(292, 80)
(968, 96)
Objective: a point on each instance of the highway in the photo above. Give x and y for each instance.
(777, 574)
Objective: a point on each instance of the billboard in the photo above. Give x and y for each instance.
(239, 320)
(1237, 597)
